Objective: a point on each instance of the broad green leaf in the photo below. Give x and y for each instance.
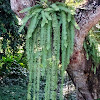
(44, 19)
(64, 30)
(24, 21)
(55, 7)
(49, 9)
(32, 26)
(25, 10)
(64, 9)
(95, 69)
(36, 11)
(47, 15)
(49, 35)
(69, 17)
(74, 23)
(72, 35)
(34, 8)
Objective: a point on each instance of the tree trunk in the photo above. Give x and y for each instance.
(79, 69)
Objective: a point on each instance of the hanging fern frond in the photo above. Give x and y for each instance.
(49, 43)
(67, 10)
(24, 21)
(47, 15)
(92, 51)
(32, 26)
(72, 37)
(48, 46)
(56, 35)
(25, 10)
(55, 7)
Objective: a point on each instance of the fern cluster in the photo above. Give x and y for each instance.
(92, 50)
(49, 45)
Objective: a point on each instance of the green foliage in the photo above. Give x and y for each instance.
(9, 28)
(96, 31)
(75, 3)
(91, 46)
(10, 61)
(11, 38)
(13, 92)
(98, 99)
(13, 85)
(49, 45)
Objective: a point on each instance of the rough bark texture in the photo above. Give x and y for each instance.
(87, 84)
(79, 67)
(18, 5)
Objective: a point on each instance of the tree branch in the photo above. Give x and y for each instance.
(78, 66)
(88, 18)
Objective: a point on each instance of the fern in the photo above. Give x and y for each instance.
(35, 66)
(32, 26)
(47, 87)
(24, 21)
(64, 9)
(25, 10)
(92, 52)
(51, 31)
(48, 36)
(56, 31)
(30, 64)
(72, 36)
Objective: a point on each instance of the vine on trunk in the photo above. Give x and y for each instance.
(49, 45)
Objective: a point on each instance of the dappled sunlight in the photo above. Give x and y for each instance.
(69, 88)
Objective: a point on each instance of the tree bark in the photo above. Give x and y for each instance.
(79, 68)
(18, 5)
(87, 83)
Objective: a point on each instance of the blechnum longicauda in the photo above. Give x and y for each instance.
(49, 45)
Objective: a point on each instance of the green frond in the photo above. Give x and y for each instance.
(62, 8)
(55, 7)
(35, 8)
(24, 21)
(32, 26)
(56, 34)
(49, 35)
(25, 10)
(47, 15)
(50, 32)
(72, 37)
(44, 19)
